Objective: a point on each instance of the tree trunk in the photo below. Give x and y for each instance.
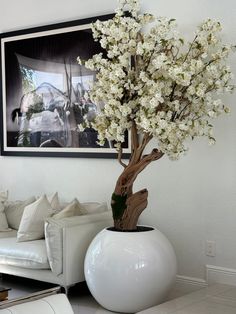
(133, 206)
(126, 205)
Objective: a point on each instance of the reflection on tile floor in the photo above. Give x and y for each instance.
(79, 296)
(217, 299)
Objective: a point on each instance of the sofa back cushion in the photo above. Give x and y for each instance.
(14, 211)
(90, 208)
(3, 219)
(32, 222)
(8, 234)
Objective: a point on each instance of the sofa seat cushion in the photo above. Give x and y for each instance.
(31, 254)
(8, 234)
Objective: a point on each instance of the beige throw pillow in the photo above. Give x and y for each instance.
(3, 219)
(90, 208)
(14, 211)
(72, 209)
(32, 222)
(54, 201)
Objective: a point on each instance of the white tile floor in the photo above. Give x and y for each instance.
(217, 299)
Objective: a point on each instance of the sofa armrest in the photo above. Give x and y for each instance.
(76, 240)
(67, 241)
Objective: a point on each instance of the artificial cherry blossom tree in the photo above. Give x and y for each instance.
(156, 86)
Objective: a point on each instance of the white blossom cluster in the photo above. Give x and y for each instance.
(170, 89)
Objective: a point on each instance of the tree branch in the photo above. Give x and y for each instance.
(120, 152)
(130, 173)
(146, 139)
(190, 48)
(134, 137)
(147, 159)
(137, 155)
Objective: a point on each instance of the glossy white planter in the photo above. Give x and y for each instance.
(130, 271)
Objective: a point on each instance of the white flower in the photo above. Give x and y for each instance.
(80, 127)
(125, 110)
(180, 75)
(212, 141)
(159, 60)
(79, 60)
(183, 127)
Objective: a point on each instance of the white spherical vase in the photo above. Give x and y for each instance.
(130, 271)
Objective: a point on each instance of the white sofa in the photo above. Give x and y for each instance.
(55, 304)
(59, 258)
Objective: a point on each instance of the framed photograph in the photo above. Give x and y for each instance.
(43, 92)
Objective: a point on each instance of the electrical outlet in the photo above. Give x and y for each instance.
(211, 248)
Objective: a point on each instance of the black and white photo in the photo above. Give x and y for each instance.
(44, 92)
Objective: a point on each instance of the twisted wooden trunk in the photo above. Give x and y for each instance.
(126, 205)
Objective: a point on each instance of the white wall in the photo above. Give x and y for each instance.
(191, 200)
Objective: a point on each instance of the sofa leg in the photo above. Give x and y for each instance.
(65, 289)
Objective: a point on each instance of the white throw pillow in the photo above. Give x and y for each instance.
(14, 211)
(90, 208)
(72, 209)
(54, 201)
(32, 222)
(3, 219)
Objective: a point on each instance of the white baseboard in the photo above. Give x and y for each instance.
(190, 283)
(216, 274)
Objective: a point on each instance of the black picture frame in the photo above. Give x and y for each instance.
(42, 92)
